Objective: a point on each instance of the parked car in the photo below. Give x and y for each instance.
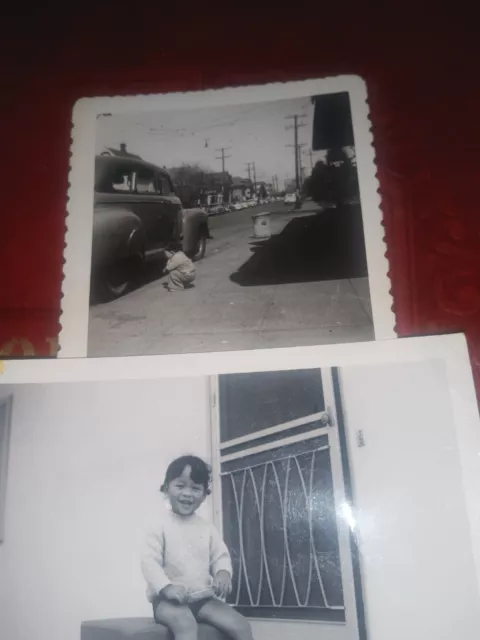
(217, 209)
(136, 214)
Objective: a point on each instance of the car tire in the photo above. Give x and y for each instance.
(117, 278)
(201, 247)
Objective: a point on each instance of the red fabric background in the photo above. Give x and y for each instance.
(421, 68)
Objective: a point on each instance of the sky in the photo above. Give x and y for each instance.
(250, 133)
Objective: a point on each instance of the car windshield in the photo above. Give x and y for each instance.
(113, 177)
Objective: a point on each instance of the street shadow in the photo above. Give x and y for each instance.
(328, 245)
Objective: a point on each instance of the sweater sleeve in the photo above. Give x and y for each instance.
(152, 561)
(175, 261)
(219, 555)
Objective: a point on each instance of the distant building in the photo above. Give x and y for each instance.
(110, 151)
(242, 189)
(263, 189)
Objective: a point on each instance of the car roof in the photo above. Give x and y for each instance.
(137, 162)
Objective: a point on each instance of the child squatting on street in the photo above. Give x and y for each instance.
(180, 269)
(185, 562)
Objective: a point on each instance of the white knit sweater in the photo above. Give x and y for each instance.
(183, 550)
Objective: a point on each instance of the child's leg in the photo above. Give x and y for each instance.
(222, 616)
(178, 618)
(175, 281)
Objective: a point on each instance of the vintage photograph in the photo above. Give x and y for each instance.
(333, 502)
(217, 227)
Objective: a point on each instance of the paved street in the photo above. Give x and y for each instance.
(306, 285)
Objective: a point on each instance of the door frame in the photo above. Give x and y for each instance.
(342, 497)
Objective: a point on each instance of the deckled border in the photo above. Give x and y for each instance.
(73, 338)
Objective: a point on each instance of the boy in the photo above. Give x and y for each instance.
(180, 269)
(185, 562)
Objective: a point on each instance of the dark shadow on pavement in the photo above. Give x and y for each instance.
(327, 245)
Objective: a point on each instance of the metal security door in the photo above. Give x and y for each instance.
(281, 502)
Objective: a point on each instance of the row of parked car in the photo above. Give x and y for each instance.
(219, 209)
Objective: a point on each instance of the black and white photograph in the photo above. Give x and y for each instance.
(325, 501)
(234, 224)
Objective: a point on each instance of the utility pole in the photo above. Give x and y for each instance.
(223, 157)
(300, 166)
(252, 175)
(311, 160)
(296, 146)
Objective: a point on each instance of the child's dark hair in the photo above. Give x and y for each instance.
(174, 246)
(200, 472)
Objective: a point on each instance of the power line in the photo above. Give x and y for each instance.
(227, 121)
(296, 146)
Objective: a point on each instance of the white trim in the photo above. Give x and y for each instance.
(345, 550)
(290, 621)
(284, 426)
(276, 444)
(261, 464)
(5, 431)
(215, 455)
(295, 608)
(452, 349)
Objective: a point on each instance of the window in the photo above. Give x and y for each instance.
(145, 181)
(281, 480)
(5, 417)
(164, 184)
(121, 180)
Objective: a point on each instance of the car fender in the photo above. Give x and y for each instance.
(195, 222)
(117, 233)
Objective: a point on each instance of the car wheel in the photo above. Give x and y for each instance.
(118, 277)
(201, 247)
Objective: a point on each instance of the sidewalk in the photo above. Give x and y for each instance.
(221, 314)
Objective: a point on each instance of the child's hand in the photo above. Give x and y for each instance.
(222, 584)
(175, 592)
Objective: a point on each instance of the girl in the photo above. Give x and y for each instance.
(185, 562)
(180, 269)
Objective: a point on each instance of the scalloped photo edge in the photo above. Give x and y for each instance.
(76, 294)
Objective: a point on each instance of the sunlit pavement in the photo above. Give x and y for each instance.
(243, 312)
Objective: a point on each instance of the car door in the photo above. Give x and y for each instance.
(151, 207)
(170, 228)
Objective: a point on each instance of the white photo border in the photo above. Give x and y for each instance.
(451, 349)
(73, 337)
